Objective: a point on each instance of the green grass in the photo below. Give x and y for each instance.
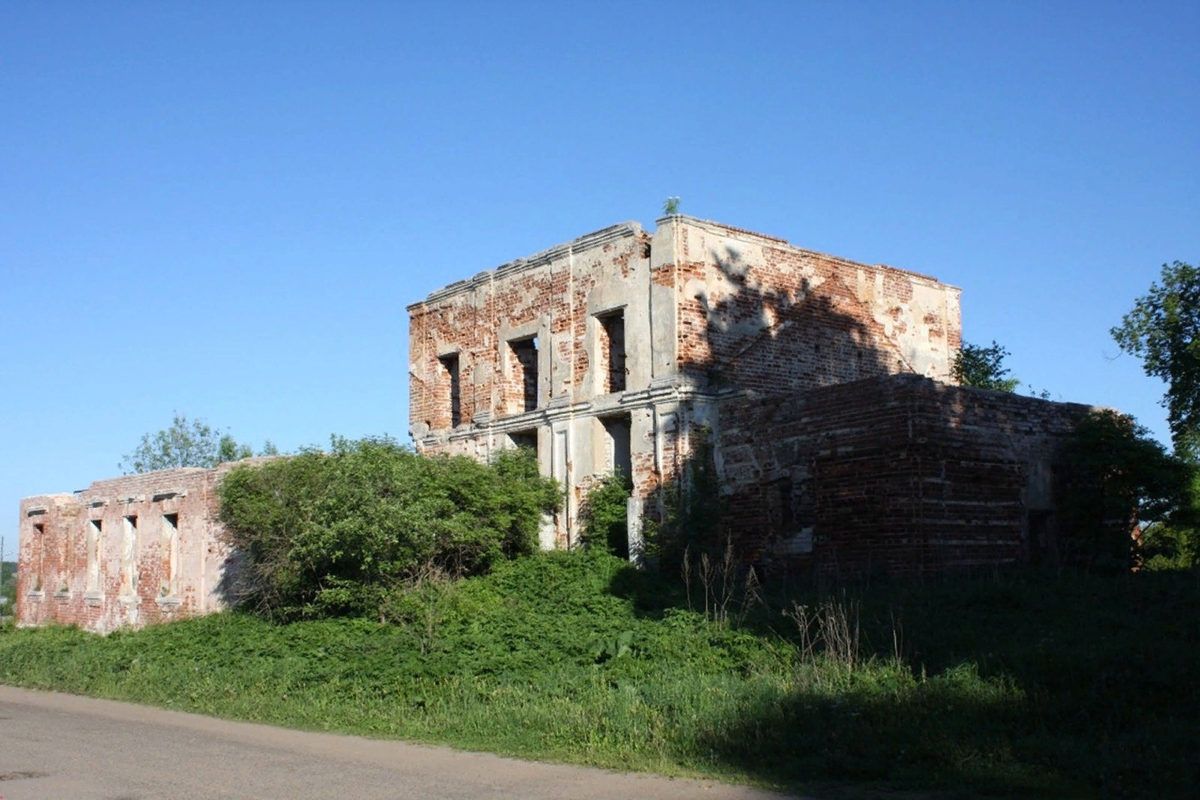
(1010, 685)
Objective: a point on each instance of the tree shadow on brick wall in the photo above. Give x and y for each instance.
(746, 346)
(796, 335)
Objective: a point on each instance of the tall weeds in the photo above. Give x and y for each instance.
(725, 585)
(830, 630)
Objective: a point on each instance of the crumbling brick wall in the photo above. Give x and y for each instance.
(759, 314)
(558, 296)
(899, 473)
(701, 310)
(127, 551)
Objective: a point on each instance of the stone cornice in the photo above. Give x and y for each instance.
(582, 244)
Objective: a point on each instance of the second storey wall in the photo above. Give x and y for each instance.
(564, 303)
(756, 313)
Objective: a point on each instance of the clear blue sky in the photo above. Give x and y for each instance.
(223, 208)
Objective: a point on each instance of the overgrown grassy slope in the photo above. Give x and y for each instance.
(1019, 684)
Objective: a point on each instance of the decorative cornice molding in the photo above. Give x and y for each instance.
(588, 241)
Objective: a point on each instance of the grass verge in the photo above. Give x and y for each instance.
(1011, 685)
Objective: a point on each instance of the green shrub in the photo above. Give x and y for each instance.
(604, 514)
(688, 522)
(323, 534)
(1165, 546)
(8, 587)
(1174, 543)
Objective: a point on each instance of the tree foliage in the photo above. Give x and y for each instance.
(187, 443)
(983, 367)
(1174, 541)
(1169, 546)
(1114, 476)
(1162, 330)
(332, 533)
(8, 586)
(605, 514)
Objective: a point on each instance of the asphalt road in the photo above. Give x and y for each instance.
(76, 748)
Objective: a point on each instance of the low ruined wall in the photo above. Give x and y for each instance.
(900, 474)
(128, 551)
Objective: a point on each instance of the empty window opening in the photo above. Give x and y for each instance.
(612, 351)
(787, 513)
(1040, 541)
(39, 542)
(129, 555)
(525, 363)
(169, 542)
(524, 440)
(65, 563)
(450, 364)
(620, 458)
(620, 462)
(94, 543)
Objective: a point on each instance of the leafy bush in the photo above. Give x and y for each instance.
(1115, 476)
(1169, 547)
(8, 587)
(689, 516)
(983, 367)
(332, 533)
(604, 514)
(1175, 542)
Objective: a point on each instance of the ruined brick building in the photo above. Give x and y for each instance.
(818, 389)
(126, 551)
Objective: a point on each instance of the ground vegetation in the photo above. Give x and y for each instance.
(1010, 683)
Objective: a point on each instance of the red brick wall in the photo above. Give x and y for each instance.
(53, 576)
(901, 473)
(759, 314)
(546, 296)
(740, 311)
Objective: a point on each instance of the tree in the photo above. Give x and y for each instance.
(8, 586)
(187, 443)
(1112, 477)
(1162, 331)
(982, 367)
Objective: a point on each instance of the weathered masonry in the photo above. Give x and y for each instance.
(636, 351)
(898, 473)
(124, 552)
(817, 389)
